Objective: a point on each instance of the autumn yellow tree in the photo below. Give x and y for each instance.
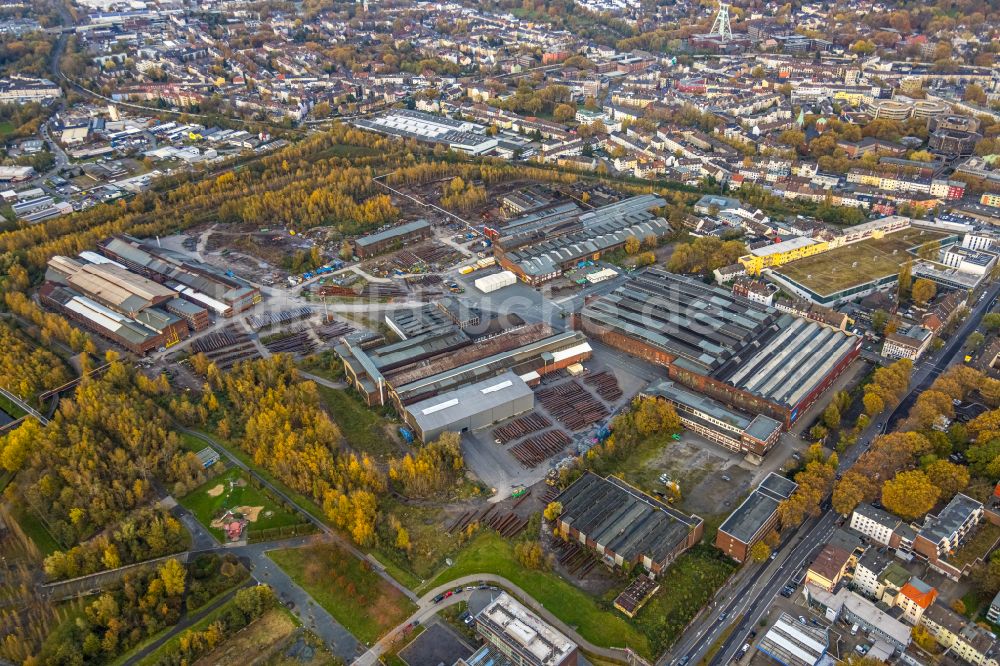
(910, 494)
(760, 551)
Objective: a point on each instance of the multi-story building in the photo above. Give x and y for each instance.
(878, 525)
(855, 609)
(990, 199)
(910, 344)
(967, 640)
(784, 252)
(520, 637)
(828, 567)
(942, 535)
(754, 290)
(914, 599)
(978, 262)
(754, 518)
(753, 435)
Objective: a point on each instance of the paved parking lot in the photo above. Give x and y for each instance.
(438, 644)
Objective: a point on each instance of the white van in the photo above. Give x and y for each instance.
(854, 630)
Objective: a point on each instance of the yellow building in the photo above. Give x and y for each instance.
(781, 253)
(851, 97)
(990, 199)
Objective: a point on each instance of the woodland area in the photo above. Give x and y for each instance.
(264, 408)
(96, 463)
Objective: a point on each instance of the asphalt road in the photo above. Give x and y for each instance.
(748, 595)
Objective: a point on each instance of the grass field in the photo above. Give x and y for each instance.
(347, 588)
(191, 443)
(363, 428)
(36, 531)
(489, 553)
(857, 263)
(6, 127)
(207, 503)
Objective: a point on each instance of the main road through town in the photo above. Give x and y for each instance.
(747, 596)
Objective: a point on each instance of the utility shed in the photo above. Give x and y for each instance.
(471, 407)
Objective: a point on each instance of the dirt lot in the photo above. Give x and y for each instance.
(253, 645)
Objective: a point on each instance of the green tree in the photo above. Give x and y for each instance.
(831, 416)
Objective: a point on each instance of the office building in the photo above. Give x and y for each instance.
(754, 518)
(518, 637)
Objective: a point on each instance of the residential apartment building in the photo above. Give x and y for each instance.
(910, 344)
(914, 599)
(966, 640)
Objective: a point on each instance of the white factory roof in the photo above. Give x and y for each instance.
(447, 408)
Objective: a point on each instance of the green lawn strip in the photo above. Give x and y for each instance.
(13, 410)
(489, 553)
(6, 127)
(36, 531)
(362, 428)
(206, 508)
(400, 574)
(719, 642)
(356, 596)
(191, 443)
(127, 656)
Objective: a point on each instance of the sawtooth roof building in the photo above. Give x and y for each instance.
(623, 524)
(541, 248)
(106, 298)
(222, 293)
(443, 376)
(745, 354)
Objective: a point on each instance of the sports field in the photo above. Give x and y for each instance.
(859, 262)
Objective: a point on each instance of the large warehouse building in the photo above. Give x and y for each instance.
(225, 295)
(471, 407)
(458, 135)
(744, 354)
(540, 248)
(453, 375)
(624, 524)
(392, 238)
(106, 298)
